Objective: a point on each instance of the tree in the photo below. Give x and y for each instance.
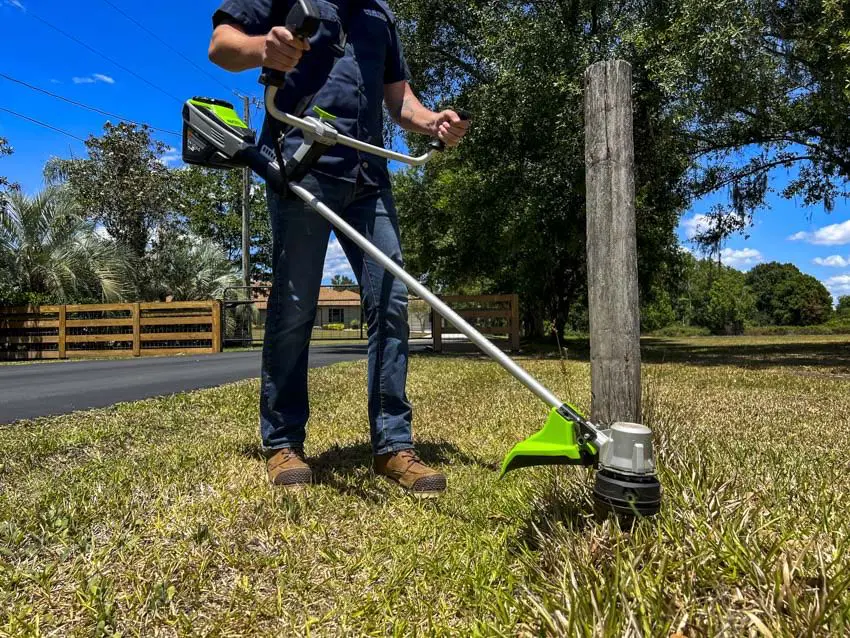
(505, 210)
(210, 201)
(185, 267)
(842, 310)
(784, 296)
(724, 94)
(758, 86)
(47, 248)
(123, 184)
(5, 185)
(342, 282)
(729, 305)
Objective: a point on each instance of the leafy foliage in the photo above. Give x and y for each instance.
(341, 282)
(787, 297)
(210, 201)
(729, 304)
(185, 267)
(49, 252)
(5, 185)
(724, 94)
(505, 210)
(843, 307)
(757, 86)
(123, 184)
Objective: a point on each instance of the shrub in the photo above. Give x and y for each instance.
(355, 324)
(334, 326)
(678, 330)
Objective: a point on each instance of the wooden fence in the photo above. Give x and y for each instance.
(489, 314)
(98, 330)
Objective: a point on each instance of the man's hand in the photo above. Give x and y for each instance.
(450, 128)
(282, 50)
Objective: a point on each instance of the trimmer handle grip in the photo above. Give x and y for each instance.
(303, 22)
(438, 145)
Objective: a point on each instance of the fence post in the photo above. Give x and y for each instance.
(437, 330)
(215, 309)
(612, 244)
(515, 322)
(61, 332)
(137, 329)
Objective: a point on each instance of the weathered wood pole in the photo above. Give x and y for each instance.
(612, 244)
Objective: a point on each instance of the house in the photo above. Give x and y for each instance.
(335, 305)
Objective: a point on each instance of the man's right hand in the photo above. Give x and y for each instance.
(282, 50)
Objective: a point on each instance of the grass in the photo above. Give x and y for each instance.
(155, 517)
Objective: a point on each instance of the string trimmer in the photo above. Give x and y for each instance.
(215, 136)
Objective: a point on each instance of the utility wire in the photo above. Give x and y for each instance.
(40, 123)
(86, 106)
(169, 47)
(103, 55)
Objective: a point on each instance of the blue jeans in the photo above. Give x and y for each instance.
(300, 240)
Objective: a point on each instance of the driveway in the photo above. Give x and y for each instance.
(44, 389)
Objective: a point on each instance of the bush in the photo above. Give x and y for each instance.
(355, 324)
(334, 326)
(831, 328)
(678, 330)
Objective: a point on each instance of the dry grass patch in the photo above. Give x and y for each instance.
(155, 517)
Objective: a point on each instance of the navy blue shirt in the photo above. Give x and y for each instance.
(350, 87)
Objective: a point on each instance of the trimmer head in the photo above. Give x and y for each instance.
(625, 483)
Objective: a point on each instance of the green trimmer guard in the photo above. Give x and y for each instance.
(555, 444)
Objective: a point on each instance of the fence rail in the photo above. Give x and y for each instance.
(96, 330)
(490, 314)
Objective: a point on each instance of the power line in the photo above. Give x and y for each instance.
(168, 46)
(40, 123)
(103, 55)
(86, 106)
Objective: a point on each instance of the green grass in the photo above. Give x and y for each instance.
(156, 518)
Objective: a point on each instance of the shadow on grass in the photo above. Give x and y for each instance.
(744, 354)
(343, 468)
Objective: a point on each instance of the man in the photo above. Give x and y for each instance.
(371, 70)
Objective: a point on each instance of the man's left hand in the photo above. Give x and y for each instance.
(450, 128)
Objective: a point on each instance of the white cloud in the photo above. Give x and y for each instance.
(832, 235)
(54, 81)
(171, 155)
(336, 263)
(833, 261)
(695, 225)
(743, 258)
(92, 79)
(16, 4)
(839, 285)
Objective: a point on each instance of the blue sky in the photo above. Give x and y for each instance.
(33, 52)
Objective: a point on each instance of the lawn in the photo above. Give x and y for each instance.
(155, 517)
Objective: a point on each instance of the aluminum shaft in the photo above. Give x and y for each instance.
(435, 302)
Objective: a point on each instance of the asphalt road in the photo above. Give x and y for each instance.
(44, 389)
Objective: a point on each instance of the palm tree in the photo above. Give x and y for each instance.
(186, 268)
(47, 247)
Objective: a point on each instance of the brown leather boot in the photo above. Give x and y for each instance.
(406, 469)
(286, 467)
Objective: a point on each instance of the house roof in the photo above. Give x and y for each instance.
(328, 297)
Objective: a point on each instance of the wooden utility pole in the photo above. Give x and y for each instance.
(612, 244)
(246, 209)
